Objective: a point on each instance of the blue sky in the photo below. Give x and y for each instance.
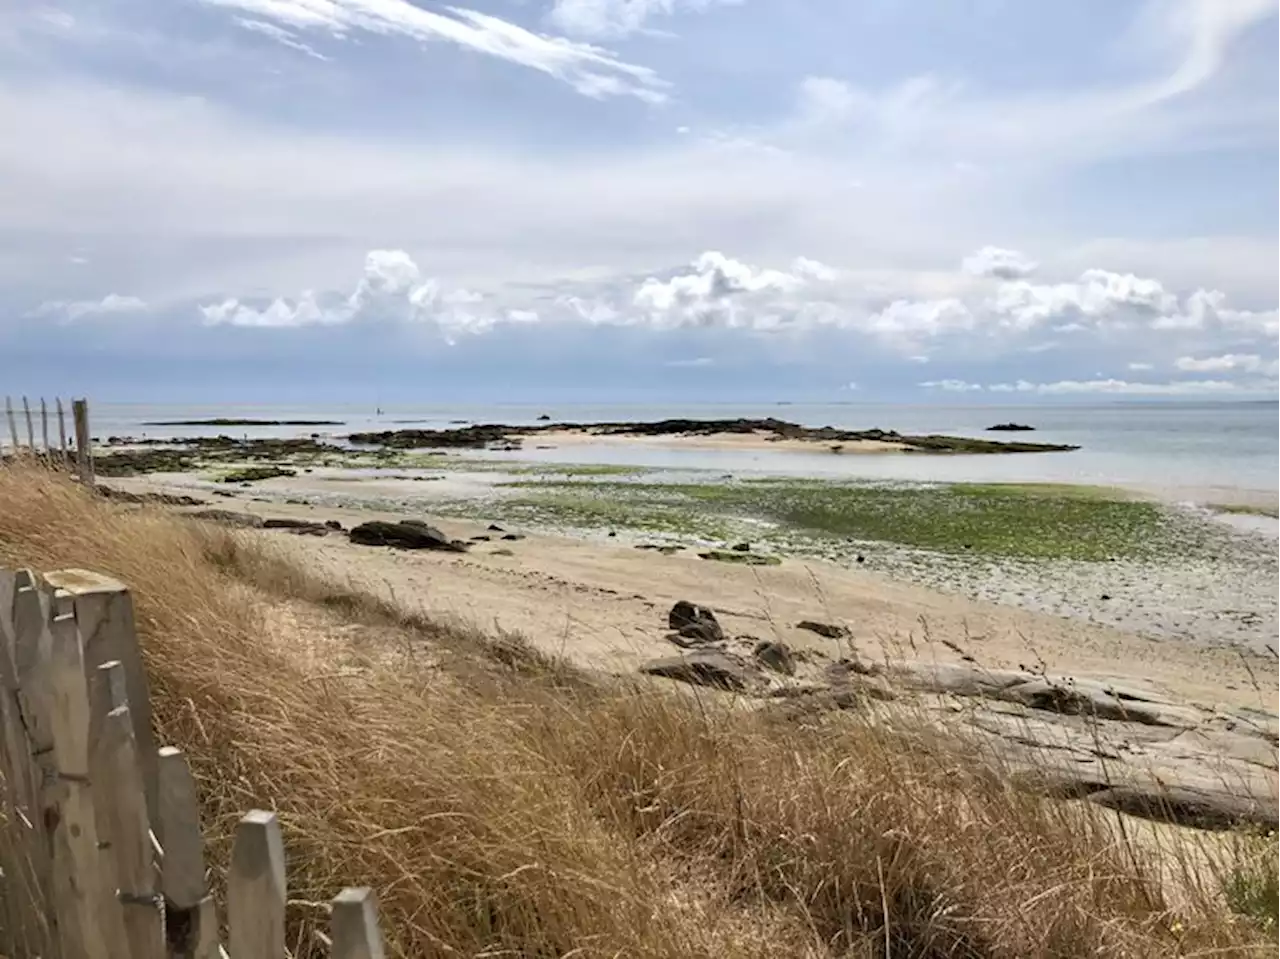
(320, 200)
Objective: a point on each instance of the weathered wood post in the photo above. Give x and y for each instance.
(44, 432)
(31, 432)
(13, 425)
(124, 832)
(84, 455)
(62, 433)
(256, 888)
(353, 925)
(191, 916)
(104, 613)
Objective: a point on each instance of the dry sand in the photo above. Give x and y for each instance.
(604, 605)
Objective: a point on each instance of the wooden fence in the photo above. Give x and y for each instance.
(100, 843)
(44, 450)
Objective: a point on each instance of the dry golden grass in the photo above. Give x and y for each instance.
(503, 805)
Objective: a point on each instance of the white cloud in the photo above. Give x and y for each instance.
(1227, 363)
(691, 362)
(588, 69)
(612, 18)
(1121, 387)
(711, 292)
(279, 34)
(1140, 367)
(111, 304)
(907, 321)
(993, 261)
(1097, 296)
(952, 386)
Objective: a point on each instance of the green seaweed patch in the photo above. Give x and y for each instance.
(1036, 522)
(741, 559)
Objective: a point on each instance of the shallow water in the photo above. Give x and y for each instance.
(1178, 450)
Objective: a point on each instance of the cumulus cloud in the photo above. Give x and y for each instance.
(613, 18)
(712, 291)
(391, 289)
(952, 386)
(70, 310)
(1001, 264)
(590, 70)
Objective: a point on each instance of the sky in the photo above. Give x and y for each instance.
(310, 201)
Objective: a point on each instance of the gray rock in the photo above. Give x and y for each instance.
(775, 656)
(407, 534)
(706, 667)
(299, 525)
(1188, 806)
(826, 630)
(227, 517)
(695, 622)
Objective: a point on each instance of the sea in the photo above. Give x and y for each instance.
(1193, 452)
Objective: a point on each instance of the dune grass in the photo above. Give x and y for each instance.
(503, 804)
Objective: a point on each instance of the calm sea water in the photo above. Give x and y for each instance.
(1176, 448)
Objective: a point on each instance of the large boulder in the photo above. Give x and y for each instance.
(695, 622)
(407, 534)
(706, 667)
(775, 656)
(825, 630)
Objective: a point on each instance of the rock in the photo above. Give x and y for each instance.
(707, 667)
(481, 538)
(775, 656)
(295, 525)
(695, 622)
(1010, 428)
(513, 537)
(612, 533)
(827, 630)
(1080, 698)
(407, 534)
(1190, 806)
(333, 524)
(227, 517)
(544, 418)
(495, 528)
(741, 559)
(741, 547)
(860, 558)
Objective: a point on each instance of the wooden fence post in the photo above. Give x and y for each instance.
(353, 926)
(44, 432)
(62, 432)
(88, 911)
(31, 433)
(256, 889)
(26, 867)
(104, 613)
(13, 425)
(191, 917)
(31, 612)
(84, 455)
(120, 803)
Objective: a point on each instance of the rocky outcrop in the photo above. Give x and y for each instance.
(406, 534)
(825, 630)
(1010, 428)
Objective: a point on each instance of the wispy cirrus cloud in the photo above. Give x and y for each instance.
(589, 69)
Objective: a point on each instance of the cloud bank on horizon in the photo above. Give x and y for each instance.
(658, 193)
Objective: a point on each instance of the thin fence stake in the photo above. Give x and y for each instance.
(62, 432)
(13, 425)
(256, 889)
(104, 613)
(86, 896)
(191, 915)
(353, 926)
(31, 433)
(120, 805)
(44, 431)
